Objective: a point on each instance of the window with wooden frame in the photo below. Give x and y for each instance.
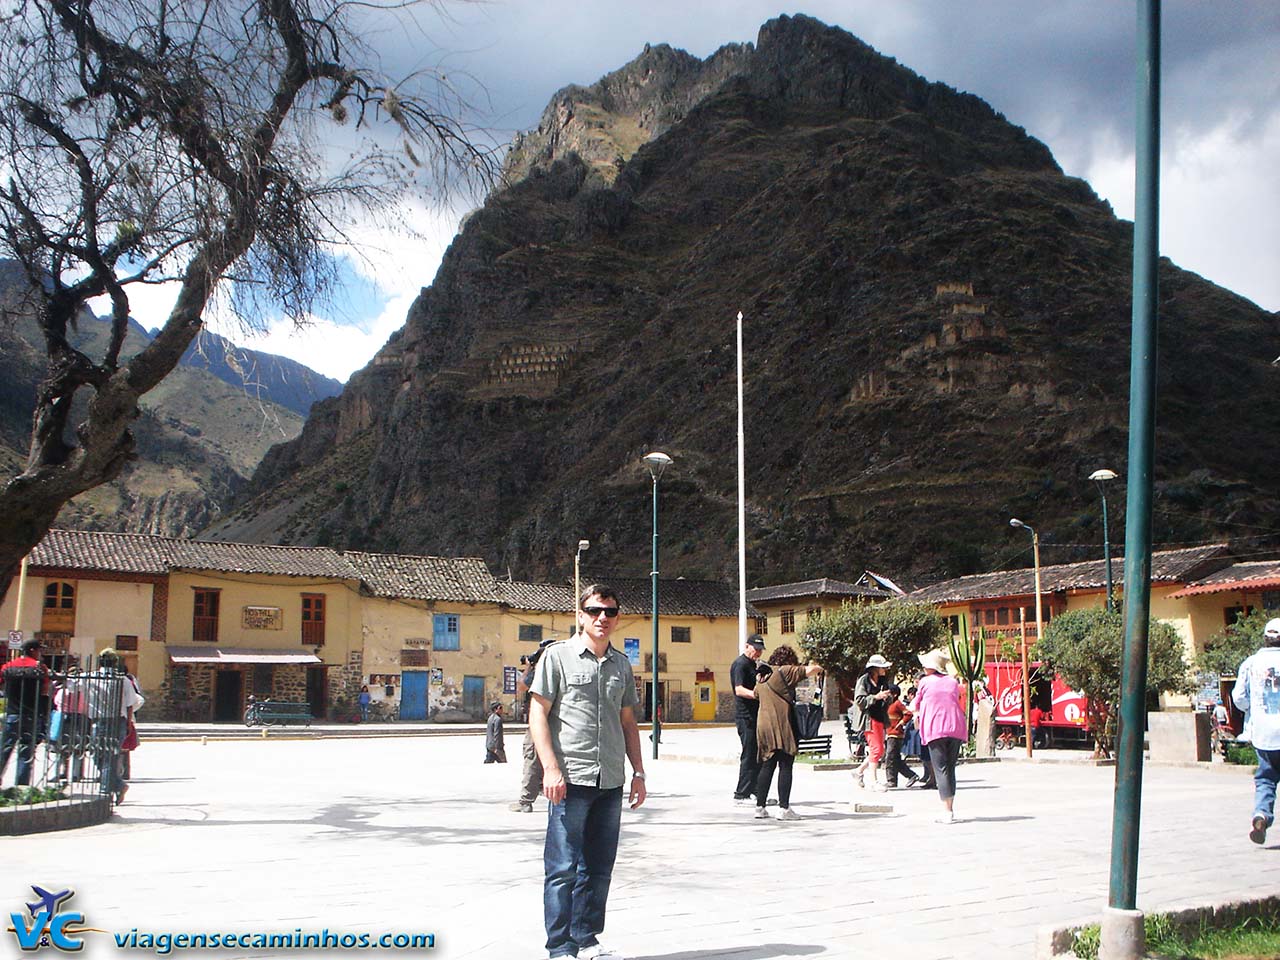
(313, 619)
(446, 632)
(681, 634)
(204, 619)
(1231, 614)
(788, 621)
(59, 613)
(762, 625)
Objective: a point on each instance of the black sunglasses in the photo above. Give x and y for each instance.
(593, 612)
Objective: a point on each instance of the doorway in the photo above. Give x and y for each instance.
(228, 696)
(318, 692)
(413, 695)
(473, 696)
(648, 699)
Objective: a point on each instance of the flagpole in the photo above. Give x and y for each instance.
(742, 506)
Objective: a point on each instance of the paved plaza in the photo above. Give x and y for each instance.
(412, 834)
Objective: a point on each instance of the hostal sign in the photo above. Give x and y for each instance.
(262, 618)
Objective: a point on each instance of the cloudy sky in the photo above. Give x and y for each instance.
(1064, 70)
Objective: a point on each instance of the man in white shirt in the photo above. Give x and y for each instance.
(1257, 693)
(112, 700)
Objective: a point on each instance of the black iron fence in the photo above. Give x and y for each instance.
(62, 748)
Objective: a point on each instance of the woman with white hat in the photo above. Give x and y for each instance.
(869, 712)
(942, 723)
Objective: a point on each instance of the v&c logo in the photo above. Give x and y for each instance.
(48, 925)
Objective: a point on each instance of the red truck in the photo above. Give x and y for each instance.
(1063, 713)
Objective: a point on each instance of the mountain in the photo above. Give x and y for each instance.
(202, 432)
(936, 336)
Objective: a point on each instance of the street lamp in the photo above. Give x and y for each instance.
(656, 462)
(577, 577)
(1026, 682)
(1101, 477)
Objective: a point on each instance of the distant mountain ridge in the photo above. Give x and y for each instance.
(202, 432)
(936, 337)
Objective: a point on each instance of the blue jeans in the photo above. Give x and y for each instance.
(20, 731)
(1264, 784)
(582, 843)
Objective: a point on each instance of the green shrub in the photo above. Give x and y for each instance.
(1242, 753)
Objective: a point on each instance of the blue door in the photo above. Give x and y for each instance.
(473, 696)
(413, 694)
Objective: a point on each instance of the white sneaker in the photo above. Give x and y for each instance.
(598, 951)
(879, 787)
(946, 818)
(789, 814)
(760, 814)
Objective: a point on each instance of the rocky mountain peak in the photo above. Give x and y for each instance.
(936, 340)
(605, 123)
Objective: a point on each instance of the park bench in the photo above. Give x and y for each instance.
(820, 745)
(267, 712)
(857, 741)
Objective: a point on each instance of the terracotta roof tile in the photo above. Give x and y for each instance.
(536, 596)
(140, 553)
(1167, 566)
(825, 587)
(678, 597)
(1252, 575)
(465, 579)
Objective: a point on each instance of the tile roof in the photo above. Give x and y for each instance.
(825, 587)
(115, 552)
(140, 553)
(261, 558)
(1167, 566)
(536, 596)
(465, 579)
(1252, 575)
(678, 597)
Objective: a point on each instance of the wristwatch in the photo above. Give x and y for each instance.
(637, 775)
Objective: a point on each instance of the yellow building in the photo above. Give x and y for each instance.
(201, 625)
(785, 608)
(1001, 605)
(206, 625)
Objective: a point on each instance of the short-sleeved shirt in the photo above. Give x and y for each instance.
(587, 694)
(742, 673)
(1257, 692)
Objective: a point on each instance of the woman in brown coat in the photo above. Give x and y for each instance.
(775, 735)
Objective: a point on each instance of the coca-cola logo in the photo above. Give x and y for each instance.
(1009, 701)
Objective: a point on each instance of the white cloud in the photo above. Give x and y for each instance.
(1218, 201)
(329, 348)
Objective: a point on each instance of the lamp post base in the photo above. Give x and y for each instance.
(1123, 936)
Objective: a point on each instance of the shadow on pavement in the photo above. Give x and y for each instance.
(759, 951)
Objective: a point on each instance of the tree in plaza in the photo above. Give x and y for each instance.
(1087, 648)
(192, 141)
(1226, 650)
(842, 640)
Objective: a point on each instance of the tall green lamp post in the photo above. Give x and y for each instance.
(656, 462)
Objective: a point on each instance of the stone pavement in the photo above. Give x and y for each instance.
(413, 835)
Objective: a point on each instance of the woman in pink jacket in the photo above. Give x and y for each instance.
(942, 724)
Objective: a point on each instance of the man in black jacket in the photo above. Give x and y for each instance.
(742, 674)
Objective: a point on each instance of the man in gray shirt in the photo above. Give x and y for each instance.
(582, 719)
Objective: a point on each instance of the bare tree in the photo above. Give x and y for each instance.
(148, 141)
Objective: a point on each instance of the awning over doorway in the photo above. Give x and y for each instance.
(230, 655)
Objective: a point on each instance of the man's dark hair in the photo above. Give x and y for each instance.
(601, 590)
(30, 646)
